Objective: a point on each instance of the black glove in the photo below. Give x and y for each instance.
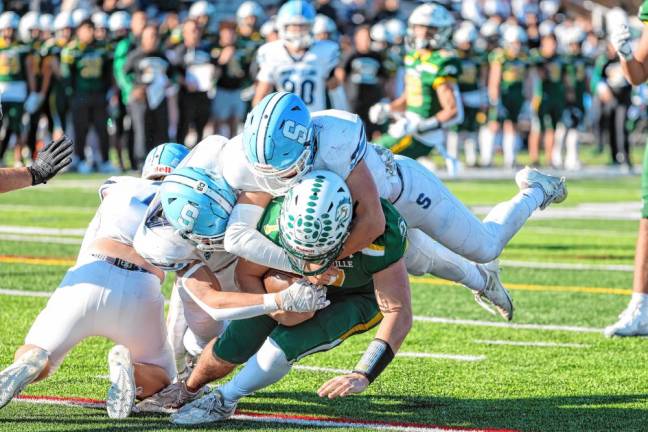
(51, 159)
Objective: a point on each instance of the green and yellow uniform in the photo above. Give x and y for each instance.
(56, 99)
(353, 307)
(13, 81)
(425, 72)
(550, 89)
(643, 16)
(470, 86)
(86, 69)
(514, 72)
(576, 67)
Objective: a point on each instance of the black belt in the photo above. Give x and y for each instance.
(118, 262)
(402, 185)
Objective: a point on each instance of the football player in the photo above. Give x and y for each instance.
(296, 63)
(282, 141)
(311, 224)
(432, 100)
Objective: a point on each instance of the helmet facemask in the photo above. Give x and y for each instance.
(297, 33)
(434, 38)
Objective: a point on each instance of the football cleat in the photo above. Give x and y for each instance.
(633, 321)
(170, 399)
(494, 294)
(208, 409)
(553, 187)
(121, 394)
(25, 370)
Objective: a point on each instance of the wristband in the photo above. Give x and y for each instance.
(270, 303)
(375, 359)
(428, 125)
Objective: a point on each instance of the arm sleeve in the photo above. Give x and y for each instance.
(244, 240)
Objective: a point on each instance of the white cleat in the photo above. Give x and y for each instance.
(121, 394)
(494, 294)
(632, 322)
(208, 409)
(25, 370)
(553, 187)
(170, 399)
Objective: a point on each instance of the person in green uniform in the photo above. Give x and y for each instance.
(87, 72)
(55, 97)
(634, 64)
(471, 83)
(576, 85)
(507, 78)
(249, 17)
(548, 102)
(431, 101)
(370, 287)
(17, 80)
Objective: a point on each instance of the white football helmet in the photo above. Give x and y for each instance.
(119, 21)
(46, 23)
(9, 20)
(465, 34)
(324, 24)
(296, 12)
(315, 220)
(379, 36)
(396, 30)
(248, 9)
(80, 15)
(199, 9)
(549, 8)
(268, 27)
(513, 34)
(63, 20)
(100, 20)
(547, 28)
(28, 23)
(435, 17)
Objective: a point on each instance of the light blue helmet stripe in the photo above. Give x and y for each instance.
(213, 194)
(266, 116)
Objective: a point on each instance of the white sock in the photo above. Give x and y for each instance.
(486, 143)
(571, 157)
(639, 298)
(266, 367)
(509, 143)
(452, 143)
(470, 148)
(556, 154)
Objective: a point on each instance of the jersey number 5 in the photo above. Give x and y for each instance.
(188, 216)
(423, 201)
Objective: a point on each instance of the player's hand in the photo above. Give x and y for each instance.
(402, 127)
(343, 385)
(326, 278)
(51, 159)
(302, 296)
(379, 113)
(620, 40)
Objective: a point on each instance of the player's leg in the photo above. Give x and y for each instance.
(65, 321)
(633, 321)
(427, 204)
(509, 143)
(351, 314)
(425, 256)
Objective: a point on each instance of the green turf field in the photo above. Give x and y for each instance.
(534, 378)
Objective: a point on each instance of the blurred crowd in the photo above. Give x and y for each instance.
(129, 75)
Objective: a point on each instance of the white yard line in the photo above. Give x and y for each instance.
(40, 208)
(531, 344)
(457, 357)
(40, 239)
(544, 327)
(567, 266)
(580, 232)
(21, 293)
(14, 229)
(608, 211)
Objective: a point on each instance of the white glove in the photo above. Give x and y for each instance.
(620, 40)
(379, 113)
(402, 127)
(33, 102)
(303, 296)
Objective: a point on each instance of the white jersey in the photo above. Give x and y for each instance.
(305, 76)
(122, 209)
(340, 145)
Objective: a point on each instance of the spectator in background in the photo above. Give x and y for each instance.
(87, 72)
(228, 108)
(386, 10)
(196, 76)
(324, 7)
(365, 76)
(122, 47)
(149, 69)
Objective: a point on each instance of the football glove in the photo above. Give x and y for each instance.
(379, 113)
(620, 40)
(51, 159)
(303, 296)
(402, 127)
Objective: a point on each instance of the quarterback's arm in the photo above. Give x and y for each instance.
(393, 296)
(635, 69)
(14, 178)
(244, 240)
(368, 216)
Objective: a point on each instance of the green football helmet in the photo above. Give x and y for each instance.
(315, 221)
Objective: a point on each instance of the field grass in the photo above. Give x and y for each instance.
(592, 383)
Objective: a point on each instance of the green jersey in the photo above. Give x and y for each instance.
(124, 81)
(551, 73)
(86, 68)
(355, 273)
(643, 12)
(514, 70)
(576, 79)
(471, 71)
(424, 73)
(13, 59)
